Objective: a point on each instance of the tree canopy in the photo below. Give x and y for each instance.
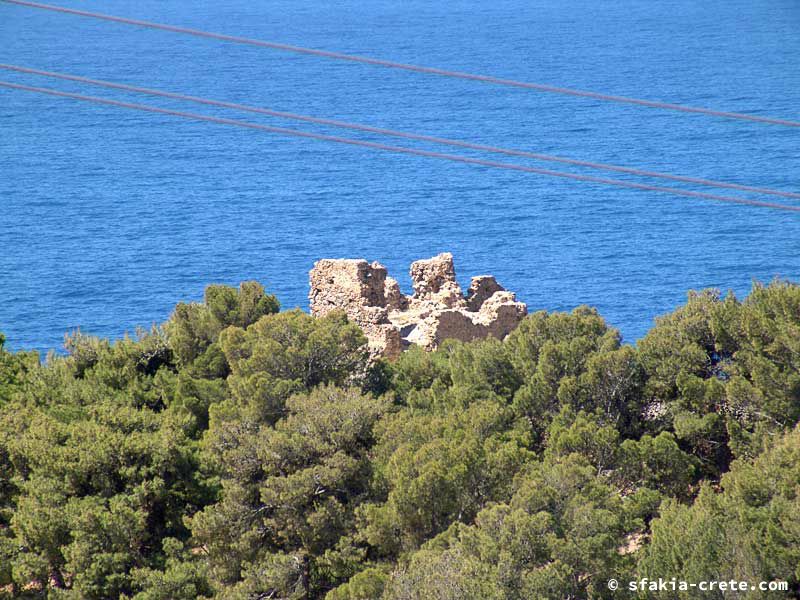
(242, 452)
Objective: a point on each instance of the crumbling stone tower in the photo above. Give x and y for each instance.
(436, 311)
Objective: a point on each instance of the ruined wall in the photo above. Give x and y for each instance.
(436, 311)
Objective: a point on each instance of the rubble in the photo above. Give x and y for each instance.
(437, 310)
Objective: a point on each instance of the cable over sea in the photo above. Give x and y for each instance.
(114, 215)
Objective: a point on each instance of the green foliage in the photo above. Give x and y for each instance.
(365, 585)
(194, 328)
(557, 537)
(656, 463)
(240, 452)
(724, 373)
(749, 531)
(286, 353)
(438, 468)
(581, 434)
(682, 344)
(550, 354)
(765, 374)
(95, 492)
(181, 578)
(13, 368)
(193, 333)
(279, 526)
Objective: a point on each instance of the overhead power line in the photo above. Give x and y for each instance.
(399, 149)
(409, 67)
(401, 134)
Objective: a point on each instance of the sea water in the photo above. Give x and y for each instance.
(108, 217)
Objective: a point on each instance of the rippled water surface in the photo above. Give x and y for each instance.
(109, 217)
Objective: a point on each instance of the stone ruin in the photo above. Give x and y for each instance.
(436, 311)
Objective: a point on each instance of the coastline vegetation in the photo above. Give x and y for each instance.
(241, 452)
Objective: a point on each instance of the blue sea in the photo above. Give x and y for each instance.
(108, 217)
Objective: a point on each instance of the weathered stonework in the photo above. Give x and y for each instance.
(436, 311)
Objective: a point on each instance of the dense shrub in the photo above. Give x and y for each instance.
(242, 452)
